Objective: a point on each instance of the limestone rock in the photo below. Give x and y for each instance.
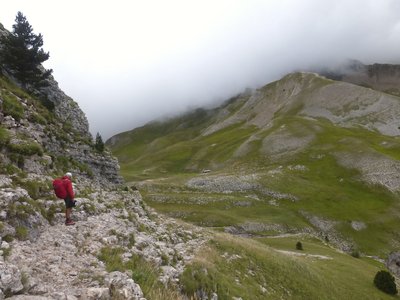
(123, 287)
(28, 297)
(5, 181)
(357, 225)
(393, 263)
(96, 294)
(8, 195)
(10, 278)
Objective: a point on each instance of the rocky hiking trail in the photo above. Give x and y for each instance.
(63, 263)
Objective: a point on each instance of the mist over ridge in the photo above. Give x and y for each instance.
(162, 58)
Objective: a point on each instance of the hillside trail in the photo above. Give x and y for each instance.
(62, 263)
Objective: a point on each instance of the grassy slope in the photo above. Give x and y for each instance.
(257, 270)
(161, 158)
(326, 189)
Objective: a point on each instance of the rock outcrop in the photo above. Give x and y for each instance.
(65, 262)
(41, 258)
(393, 263)
(44, 140)
(381, 77)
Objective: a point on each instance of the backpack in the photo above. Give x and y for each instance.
(59, 188)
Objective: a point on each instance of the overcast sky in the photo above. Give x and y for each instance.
(128, 62)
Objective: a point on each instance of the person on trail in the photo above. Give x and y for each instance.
(69, 199)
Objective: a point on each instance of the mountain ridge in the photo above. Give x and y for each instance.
(290, 130)
(304, 159)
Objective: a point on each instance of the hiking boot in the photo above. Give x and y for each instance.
(69, 222)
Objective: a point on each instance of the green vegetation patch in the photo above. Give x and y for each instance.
(236, 267)
(12, 106)
(4, 137)
(26, 148)
(143, 272)
(185, 155)
(21, 232)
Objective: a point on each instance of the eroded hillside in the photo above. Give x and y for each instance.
(302, 154)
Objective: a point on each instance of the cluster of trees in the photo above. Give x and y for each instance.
(22, 55)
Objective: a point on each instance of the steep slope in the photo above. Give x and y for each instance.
(302, 154)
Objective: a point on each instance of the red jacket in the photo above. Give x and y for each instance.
(68, 187)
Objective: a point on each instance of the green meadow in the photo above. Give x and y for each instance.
(296, 176)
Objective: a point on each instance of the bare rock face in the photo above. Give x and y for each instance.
(381, 77)
(47, 140)
(393, 263)
(66, 108)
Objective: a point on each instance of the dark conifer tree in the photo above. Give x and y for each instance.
(99, 145)
(21, 53)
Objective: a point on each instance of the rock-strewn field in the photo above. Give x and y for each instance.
(62, 261)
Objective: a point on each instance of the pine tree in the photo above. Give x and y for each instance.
(21, 54)
(99, 145)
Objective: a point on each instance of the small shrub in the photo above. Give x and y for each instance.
(112, 232)
(62, 162)
(144, 273)
(355, 254)
(118, 204)
(131, 240)
(21, 232)
(67, 126)
(90, 208)
(299, 246)
(132, 217)
(12, 107)
(164, 259)
(112, 258)
(24, 279)
(8, 85)
(83, 168)
(28, 148)
(142, 228)
(33, 188)
(196, 278)
(4, 137)
(47, 103)
(9, 169)
(50, 213)
(8, 238)
(6, 252)
(18, 160)
(36, 118)
(385, 282)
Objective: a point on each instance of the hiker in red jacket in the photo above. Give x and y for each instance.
(69, 199)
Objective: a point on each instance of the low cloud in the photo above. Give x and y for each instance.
(128, 62)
